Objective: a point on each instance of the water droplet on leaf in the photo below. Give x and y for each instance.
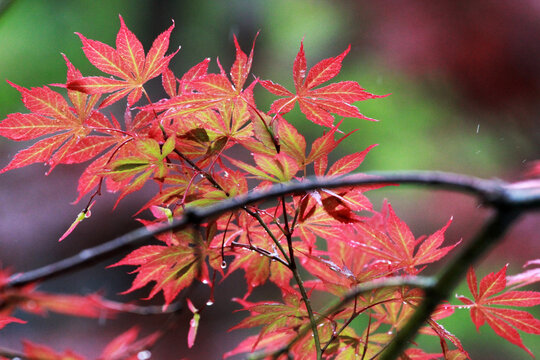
(209, 303)
(223, 264)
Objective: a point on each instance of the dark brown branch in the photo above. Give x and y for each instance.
(490, 192)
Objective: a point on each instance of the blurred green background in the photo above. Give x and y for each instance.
(464, 79)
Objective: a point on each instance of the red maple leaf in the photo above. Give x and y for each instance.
(394, 242)
(173, 268)
(126, 346)
(317, 104)
(68, 129)
(273, 318)
(127, 62)
(201, 91)
(502, 320)
(28, 299)
(147, 160)
(36, 351)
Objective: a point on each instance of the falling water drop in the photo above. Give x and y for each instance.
(209, 303)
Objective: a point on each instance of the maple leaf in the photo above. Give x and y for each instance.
(127, 61)
(317, 104)
(201, 91)
(274, 318)
(271, 342)
(395, 243)
(276, 168)
(345, 265)
(504, 321)
(30, 300)
(41, 352)
(67, 128)
(323, 145)
(126, 346)
(148, 159)
(37, 302)
(340, 203)
(173, 268)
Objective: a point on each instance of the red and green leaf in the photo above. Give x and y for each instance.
(273, 318)
(172, 268)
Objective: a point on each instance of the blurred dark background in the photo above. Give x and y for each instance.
(464, 79)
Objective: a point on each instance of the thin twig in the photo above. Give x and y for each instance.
(271, 234)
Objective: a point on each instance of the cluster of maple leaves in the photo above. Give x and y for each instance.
(186, 143)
